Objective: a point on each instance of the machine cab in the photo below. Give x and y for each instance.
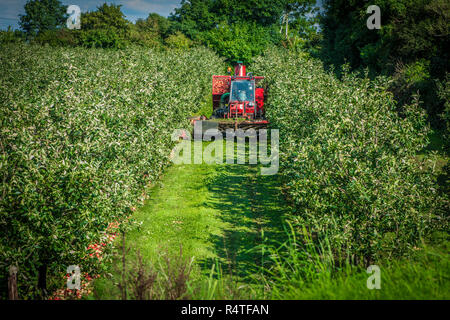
(242, 91)
(237, 96)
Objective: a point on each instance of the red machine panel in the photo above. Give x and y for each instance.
(259, 97)
(220, 85)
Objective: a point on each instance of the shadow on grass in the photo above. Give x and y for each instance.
(253, 209)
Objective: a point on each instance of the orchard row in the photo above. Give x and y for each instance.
(82, 133)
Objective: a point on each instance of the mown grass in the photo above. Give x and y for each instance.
(216, 214)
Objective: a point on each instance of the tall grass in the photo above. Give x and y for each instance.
(303, 268)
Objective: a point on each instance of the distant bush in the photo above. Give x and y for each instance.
(105, 28)
(178, 41)
(444, 95)
(415, 78)
(151, 31)
(11, 36)
(349, 160)
(144, 38)
(240, 41)
(105, 17)
(61, 37)
(102, 38)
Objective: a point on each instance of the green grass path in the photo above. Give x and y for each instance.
(215, 213)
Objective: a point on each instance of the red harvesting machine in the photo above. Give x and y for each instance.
(238, 102)
(239, 97)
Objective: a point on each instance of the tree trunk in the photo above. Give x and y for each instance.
(124, 283)
(12, 284)
(281, 25)
(287, 24)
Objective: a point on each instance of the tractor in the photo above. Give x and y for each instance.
(238, 102)
(238, 96)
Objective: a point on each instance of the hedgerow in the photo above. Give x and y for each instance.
(82, 133)
(349, 159)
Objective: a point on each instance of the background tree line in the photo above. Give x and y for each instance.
(412, 47)
(238, 30)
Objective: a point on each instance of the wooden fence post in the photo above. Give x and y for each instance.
(12, 283)
(124, 270)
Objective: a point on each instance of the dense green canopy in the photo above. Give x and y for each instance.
(41, 15)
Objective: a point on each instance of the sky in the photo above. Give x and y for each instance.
(133, 9)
